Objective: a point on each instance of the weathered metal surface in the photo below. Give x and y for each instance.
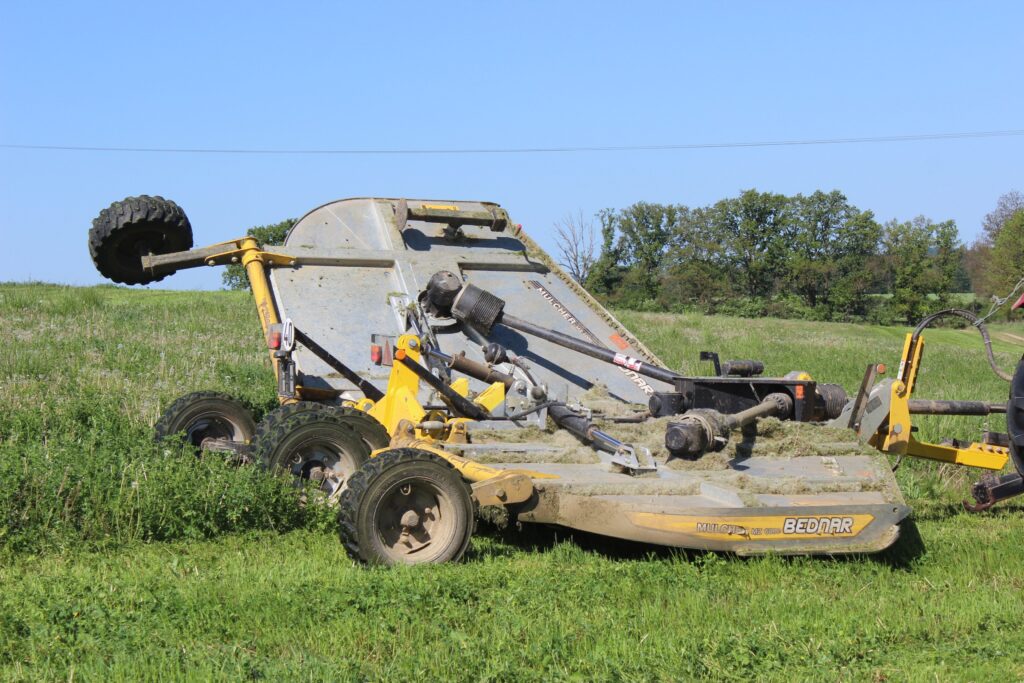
(359, 265)
(812, 505)
(356, 273)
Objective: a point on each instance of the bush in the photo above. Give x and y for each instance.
(881, 312)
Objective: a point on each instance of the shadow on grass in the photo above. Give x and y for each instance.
(539, 538)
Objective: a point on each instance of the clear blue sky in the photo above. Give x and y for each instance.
(472, 75)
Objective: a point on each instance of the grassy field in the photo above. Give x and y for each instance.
(121, 560)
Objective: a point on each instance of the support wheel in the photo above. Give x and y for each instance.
(132, 228)
(372, 432)
(206, 415)
(310, 443)
(406, 506)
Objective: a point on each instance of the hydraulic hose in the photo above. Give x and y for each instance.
(976, 322)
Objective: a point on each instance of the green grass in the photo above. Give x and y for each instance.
(120, 560)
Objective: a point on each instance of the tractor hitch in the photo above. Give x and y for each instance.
(991, 489)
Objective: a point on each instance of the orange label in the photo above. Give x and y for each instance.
(619, 342)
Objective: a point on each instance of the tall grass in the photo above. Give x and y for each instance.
(90, 370)
(87, 371)
(87, 374)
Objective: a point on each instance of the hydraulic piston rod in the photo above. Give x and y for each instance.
(923, 406)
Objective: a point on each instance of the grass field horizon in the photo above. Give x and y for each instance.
(124, 560)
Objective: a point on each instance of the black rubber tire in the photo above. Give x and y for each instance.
(127, 230)
(360, 510)
(366, 426)
(223, 416)
(1015, 417)
(297, 440)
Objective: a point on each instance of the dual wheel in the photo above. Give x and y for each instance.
(405, 506)
(310, 441)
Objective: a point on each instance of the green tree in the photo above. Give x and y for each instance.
(756, 230)
(922, 259)
(697, 270)
(606, 273)
(635, 242)
(832, 245)
(267, 235)
(947, 256)
(1006, 266)
(977, 258)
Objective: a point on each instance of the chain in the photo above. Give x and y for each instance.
(998, 302)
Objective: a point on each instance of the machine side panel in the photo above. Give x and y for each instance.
(340, 308)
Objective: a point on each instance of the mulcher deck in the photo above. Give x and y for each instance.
(359, 265)
(808, 504)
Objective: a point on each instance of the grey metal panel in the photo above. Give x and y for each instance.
(346, 224)
(545, 300)
(337, 308)
(355, 272)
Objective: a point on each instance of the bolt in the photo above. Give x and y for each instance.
(500, 493)
(413, 344)
(410, 520)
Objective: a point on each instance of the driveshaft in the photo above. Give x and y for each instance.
(446, 295)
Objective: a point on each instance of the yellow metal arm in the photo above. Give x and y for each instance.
(895, 434)
(974, 455)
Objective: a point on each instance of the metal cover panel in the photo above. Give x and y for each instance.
(356, 273)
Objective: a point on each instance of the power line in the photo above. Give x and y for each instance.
(530, 150)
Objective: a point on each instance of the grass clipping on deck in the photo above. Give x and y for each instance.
(770, 437)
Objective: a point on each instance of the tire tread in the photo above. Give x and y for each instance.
(359, 483)
(126, 214)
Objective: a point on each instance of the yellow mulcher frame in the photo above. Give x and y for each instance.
(409, 424)
(895, 436)
(255, 261)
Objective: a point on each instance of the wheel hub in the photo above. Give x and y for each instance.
(328, 464)
(411, 519)
(212, 427)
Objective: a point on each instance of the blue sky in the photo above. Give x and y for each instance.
(479, 75)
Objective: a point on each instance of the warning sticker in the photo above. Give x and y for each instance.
(619, 342)
(627, 361)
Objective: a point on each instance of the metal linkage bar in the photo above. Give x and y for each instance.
(459, 403)
(368, 389)
(586, 348)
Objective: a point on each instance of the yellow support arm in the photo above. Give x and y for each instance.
(896, 435)
(975, 455)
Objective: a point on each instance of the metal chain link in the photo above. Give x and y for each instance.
(999, 302)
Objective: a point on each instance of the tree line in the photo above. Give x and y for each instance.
(811, 256)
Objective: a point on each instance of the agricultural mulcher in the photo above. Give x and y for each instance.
(431, 360)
